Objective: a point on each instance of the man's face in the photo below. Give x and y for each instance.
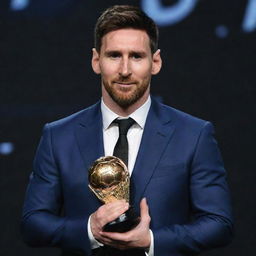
(126, 64)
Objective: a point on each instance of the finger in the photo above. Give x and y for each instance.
(144, 211)
(113, 206)
(112, 242)
(116, 237)
(143, 208)
(116, 202)
(115, 212)
(105, 240)
(107, 213)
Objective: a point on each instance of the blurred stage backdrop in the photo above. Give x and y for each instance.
(209, 62)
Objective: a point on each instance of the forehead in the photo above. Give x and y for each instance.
(126, 39)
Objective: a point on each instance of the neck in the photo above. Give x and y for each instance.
(111, 104)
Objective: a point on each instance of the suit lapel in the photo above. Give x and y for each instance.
(156, 136)
(89, 135)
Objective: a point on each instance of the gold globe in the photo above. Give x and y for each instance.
(109, 179)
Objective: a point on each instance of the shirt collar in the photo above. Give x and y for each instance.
(139, 115)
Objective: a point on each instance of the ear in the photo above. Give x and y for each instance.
(95, 61)
(157, 62)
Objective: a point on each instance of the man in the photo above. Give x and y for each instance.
(177, 175)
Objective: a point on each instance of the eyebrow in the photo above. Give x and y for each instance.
(112, 52)
(108, 53)
(141, 53)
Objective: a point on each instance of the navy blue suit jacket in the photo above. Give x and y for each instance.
(178, 169)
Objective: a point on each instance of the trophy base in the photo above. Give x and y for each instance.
(124, 222)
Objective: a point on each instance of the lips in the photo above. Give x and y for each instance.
(124, 83)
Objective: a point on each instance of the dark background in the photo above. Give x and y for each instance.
(209, 61)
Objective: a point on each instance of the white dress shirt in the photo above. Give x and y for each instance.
(110, 137)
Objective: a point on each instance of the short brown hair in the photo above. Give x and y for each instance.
(125, 16)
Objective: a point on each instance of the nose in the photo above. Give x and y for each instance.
(125, 69)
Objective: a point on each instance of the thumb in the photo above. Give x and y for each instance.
(144, 211)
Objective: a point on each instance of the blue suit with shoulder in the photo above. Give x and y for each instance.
(178, 169)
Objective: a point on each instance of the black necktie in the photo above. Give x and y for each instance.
(121, 147)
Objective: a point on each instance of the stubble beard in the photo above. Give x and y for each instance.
(126, 97)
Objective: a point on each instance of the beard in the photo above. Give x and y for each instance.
(125, 97)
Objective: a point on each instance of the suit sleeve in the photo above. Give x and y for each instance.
(42, 224)
(211, 220)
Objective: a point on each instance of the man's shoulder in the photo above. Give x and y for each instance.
(83, 116)
(180, 117)
(185, 124)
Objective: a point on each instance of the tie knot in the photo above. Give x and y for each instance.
(124, 125)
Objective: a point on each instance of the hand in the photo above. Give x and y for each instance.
(139, 237)
(105, 214)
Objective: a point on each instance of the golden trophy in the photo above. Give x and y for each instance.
(109, 180)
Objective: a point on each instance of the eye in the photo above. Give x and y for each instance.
(136, 56)
(114, 55)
